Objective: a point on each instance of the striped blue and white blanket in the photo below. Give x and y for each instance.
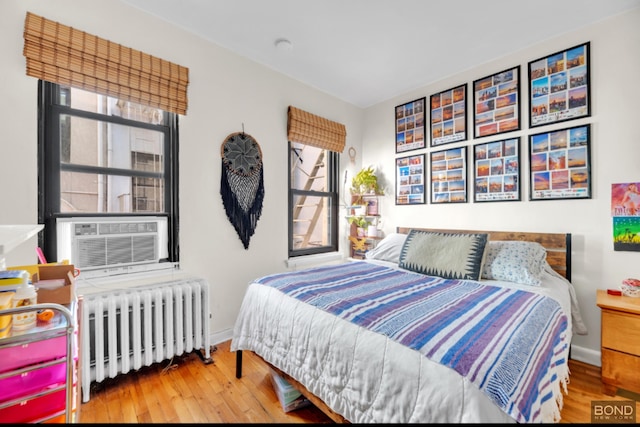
(508, 342)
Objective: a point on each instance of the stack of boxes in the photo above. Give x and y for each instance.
(290, 398)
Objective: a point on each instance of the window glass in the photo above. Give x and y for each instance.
(93, 142)
(103, 193)
(313, 200)
(312, 228)
(309, 168)
(79, 99)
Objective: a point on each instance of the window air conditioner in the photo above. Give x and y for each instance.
(112, 243)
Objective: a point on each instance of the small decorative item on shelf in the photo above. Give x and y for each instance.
(359, 210)
(372, 206)
(361, 223)
(630, 287)
(359, 247)
(359, 244)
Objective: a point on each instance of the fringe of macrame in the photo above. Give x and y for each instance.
(243, 221)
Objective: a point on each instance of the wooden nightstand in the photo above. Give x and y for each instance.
(620, 342)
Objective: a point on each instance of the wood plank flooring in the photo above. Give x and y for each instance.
(186, 390)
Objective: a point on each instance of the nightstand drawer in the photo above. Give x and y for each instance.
(621, 370)
(621, 331)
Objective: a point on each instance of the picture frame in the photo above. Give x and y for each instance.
(449, 175)
(625, 210)
(496, 171)
(559, 86)
(410, 125)
(560, 164)
(448, 116)
(625, 232)
(625, 199)
(410, 177)
(496, 103)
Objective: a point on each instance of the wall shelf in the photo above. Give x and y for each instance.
(360, 244)
(13, 235)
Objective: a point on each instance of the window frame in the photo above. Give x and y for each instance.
(333, 166)
(49, 168)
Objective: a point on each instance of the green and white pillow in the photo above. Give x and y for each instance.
(447, 255)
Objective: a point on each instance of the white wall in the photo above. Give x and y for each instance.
(227, 91)
(615, 151)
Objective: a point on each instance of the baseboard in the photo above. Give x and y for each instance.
(585, 355)
(221, 336)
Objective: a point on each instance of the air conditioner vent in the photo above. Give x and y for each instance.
(111, 243)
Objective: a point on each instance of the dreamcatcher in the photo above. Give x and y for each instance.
(242, 183)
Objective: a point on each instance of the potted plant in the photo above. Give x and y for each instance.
(365, 182)
(364, 185)
(361, 223)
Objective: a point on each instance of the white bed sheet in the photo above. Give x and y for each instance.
(362, 375)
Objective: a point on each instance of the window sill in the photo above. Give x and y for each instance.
(314, 260)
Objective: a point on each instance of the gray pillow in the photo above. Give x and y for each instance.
(447, 255)
(388, 249)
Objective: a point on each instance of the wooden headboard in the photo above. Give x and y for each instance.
(558, 245)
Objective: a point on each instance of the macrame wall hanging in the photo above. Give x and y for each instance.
(242, 183)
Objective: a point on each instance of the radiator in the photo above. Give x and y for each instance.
(161, 320)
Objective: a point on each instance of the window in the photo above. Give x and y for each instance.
(314, 147)
(101, 156)
(313, 200)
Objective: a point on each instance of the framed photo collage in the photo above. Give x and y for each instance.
(558, 160)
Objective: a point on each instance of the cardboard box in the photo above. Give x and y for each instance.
(33, 268)
(60, 295)
(290, 398)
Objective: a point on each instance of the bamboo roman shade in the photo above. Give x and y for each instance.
(314, 130)
(61, 54)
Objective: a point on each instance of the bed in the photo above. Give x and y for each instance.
(455, 326)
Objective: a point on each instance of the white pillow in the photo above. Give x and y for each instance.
(514, 261)
(388, 249)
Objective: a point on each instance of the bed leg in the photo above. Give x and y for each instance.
(239, 364)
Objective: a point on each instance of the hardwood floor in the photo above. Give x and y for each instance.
(188, 391)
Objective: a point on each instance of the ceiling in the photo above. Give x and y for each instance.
(368, 51)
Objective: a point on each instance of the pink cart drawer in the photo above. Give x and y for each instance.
(33, 381)
(35, 352)
(33, 410)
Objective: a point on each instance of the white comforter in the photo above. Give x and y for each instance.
(362, 375)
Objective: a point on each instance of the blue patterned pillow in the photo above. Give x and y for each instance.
(514, 261)
(447, 255)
